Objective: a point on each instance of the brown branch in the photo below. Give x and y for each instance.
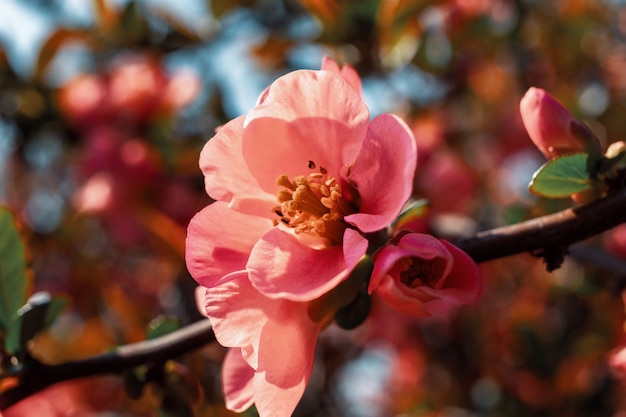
(557, 230)
(157, 350)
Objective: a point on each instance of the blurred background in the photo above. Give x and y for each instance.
(106, 104)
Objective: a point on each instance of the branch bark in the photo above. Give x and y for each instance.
(157, 350)
(557, 230)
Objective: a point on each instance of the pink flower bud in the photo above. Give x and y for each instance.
(415, 271)
(552, 128)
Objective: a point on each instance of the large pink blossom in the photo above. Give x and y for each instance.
(416, 272)
(298, 182)
(552, 128)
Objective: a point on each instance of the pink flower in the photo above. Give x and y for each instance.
(552, 128)
(415, 272)
(313, 174)
(299, 182)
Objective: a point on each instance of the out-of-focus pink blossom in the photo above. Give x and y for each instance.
(415, 272)
(96, 195)
(135, 86)
(615, 240)
(552, 128)
(182, 88)
(83, 100)
(135, 90)
(445, 171)
(66, 399)
(298, 181)
(617, 362)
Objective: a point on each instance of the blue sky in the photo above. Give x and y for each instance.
(25, 26)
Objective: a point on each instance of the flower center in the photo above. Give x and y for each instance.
(313, 204)
(418, 272)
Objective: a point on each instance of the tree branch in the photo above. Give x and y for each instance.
(157, 350)
(557, 230)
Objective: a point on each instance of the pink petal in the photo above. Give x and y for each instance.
(200, 297)
(347, 73)
(219, 241)
(305, 116)
(464, 283)
(386, 259)
(226, 174)
(277, 338)
(238, 313)
(389, 291)
(286, 355)
(237, 381)
(383, 173)
(280, 266)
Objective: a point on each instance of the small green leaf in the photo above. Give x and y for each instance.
(162, 325)
(15, 277)
(562, 177)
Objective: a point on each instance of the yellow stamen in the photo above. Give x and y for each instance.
(313, 204)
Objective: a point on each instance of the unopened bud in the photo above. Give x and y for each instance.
(552, 128)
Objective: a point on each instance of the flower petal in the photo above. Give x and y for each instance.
(464, 283)
(286, 355)
(305, 116)
(219, 241)
(238, 313)
(347, 73)
(226, 175)
(276, 336)
(386, 259)
(237, 381)
(383, 173)
(390, 292)
(280, 266)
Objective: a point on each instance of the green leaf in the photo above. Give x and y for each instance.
(15, 277)
(562, 177)
(162, 325)
(33, 317)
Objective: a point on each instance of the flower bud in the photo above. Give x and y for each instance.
(552, 128)
(415, 271)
